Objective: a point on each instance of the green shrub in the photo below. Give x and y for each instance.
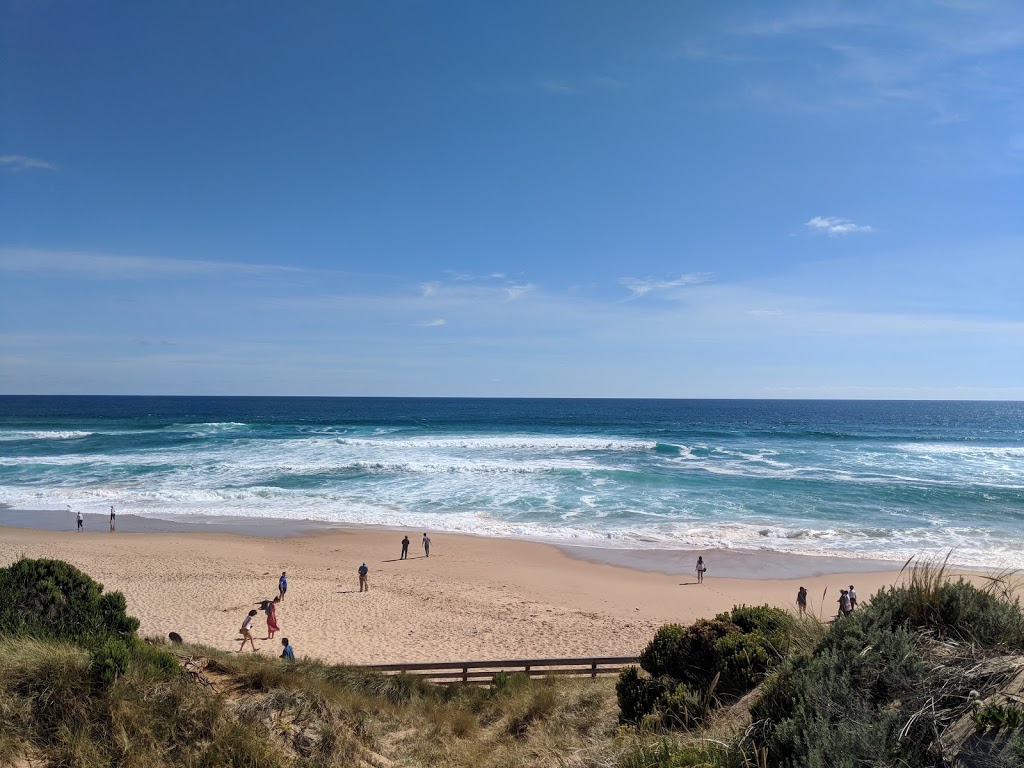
(774, 624)
(846, 704)
(637, 694)
(743, 660)
(685, 707)
(952, 609)
(686, 654)
(661, 656)
(52, 599)
(998, 716)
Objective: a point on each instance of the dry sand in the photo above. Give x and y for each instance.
(472, 599)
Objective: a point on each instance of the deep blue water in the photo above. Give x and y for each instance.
(863, 478)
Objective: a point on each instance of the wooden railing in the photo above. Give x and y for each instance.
(484, 671)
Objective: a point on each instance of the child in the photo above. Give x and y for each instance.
(246, 631)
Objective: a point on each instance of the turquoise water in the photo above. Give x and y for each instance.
(852, 478)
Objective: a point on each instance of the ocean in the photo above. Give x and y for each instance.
(875, 479)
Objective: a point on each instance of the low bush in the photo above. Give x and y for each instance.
(952, 609)
(661, 655)
(637, 694)
(685, 707)
(52, 599)
(743, 659)
(772, 623)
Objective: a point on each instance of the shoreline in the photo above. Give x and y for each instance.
(475, 597)
(737, 563)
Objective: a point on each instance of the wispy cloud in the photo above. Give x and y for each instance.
(513, 292)
(432, 323)
(638, 286)
(834, 226)
(949, 63)
(575, 85)
(107, 266)
(23, 163)
(557, 86)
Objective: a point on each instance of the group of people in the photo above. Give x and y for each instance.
(847, 601)
(405, 547)
(80, 520)
(269, 607)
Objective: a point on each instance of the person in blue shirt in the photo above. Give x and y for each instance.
(288, 654)
(282, 584)
(364, 584)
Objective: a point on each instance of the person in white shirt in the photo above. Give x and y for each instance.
(426, 545)
(246, 631)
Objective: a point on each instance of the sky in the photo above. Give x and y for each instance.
(522, 199)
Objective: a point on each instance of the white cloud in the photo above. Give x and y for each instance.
(642, 286)
(23, 163)
(513, 292)
(557, 86)
(430, 289)
(432, 323)
(833, 226)
(106, 266)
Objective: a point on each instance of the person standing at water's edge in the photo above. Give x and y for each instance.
(699, 569)
(282, 585)
(113, 520)
(364, 584)
(426, 545)
(405, 549)
(81, 521)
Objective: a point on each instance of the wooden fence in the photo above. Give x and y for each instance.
(484, 671)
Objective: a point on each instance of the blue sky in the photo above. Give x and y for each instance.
(659, 199)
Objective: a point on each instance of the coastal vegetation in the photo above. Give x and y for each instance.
(928, 673)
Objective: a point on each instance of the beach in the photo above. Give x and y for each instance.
(474, 598)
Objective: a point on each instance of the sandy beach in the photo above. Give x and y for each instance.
(473, 598)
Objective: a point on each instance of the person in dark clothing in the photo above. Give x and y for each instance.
(405, 549)
(364, 583)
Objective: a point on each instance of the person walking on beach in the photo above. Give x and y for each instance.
(81, 521)
(426, 544)
(700, 568)
(853, 597)
(288, 654)
(405, 549)
(845, 609)
(801, 600)
(364, 584)
(271, 611)
(282, 585)
(113, 520)
(246, 631)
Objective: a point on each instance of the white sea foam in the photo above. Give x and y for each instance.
(43, 434)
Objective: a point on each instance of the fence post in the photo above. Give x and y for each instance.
(465, 674)
(593, 670)
(527, 670)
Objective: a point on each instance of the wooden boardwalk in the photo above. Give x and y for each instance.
(484, 671)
